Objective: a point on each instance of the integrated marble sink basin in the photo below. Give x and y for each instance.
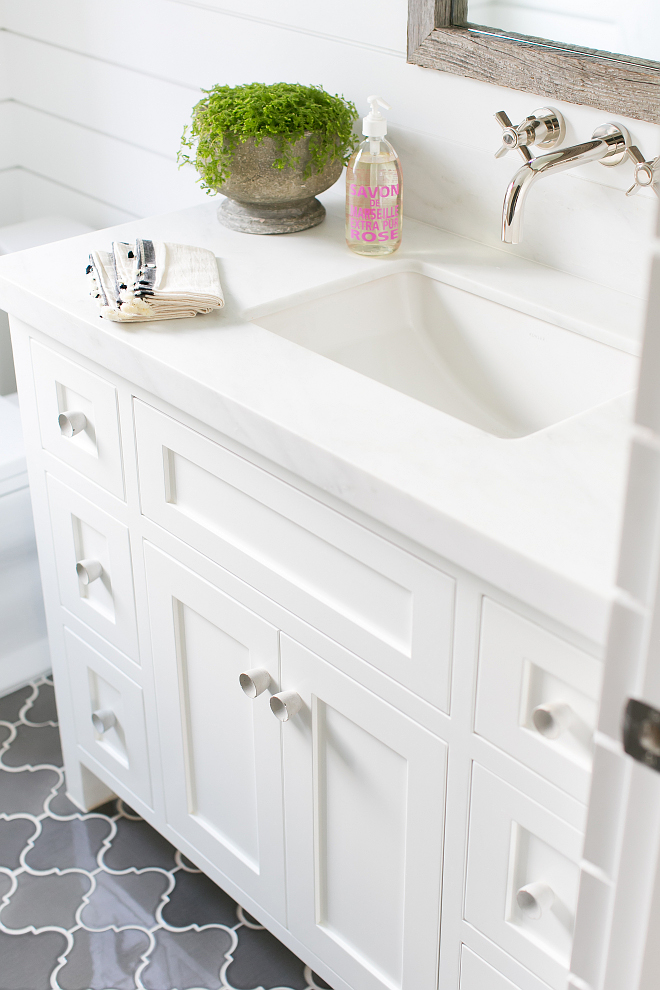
(498, 369)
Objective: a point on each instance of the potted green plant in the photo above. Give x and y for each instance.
(270, 150)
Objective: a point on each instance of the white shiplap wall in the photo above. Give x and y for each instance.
(95, 95)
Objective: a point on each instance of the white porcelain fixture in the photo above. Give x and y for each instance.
(500, 370)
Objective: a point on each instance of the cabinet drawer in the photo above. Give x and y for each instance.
(537, 698)
(100, 596)
(380, 602)
(522, 877)
(109, 716)
(62, 388)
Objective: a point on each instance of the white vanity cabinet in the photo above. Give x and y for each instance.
(384, 829)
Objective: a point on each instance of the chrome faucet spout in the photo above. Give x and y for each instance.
(609, 145)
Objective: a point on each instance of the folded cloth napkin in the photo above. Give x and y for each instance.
(154, 280)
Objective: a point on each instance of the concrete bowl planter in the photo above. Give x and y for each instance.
(262, 199)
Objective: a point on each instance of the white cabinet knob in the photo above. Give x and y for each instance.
(71, 422)
(103, 719)
(89, 570)
(535, 898)
(254, 682)
(285, 704)
(552, 719)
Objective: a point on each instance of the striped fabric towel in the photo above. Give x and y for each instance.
(154, 280)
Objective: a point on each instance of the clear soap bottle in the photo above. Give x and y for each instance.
(374, 189)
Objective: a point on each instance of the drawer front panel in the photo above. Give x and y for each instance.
(84, 535)
(223, 785)
(384, 604)
(116, 736)
(537, 698)
(62, 388)
(522, 877)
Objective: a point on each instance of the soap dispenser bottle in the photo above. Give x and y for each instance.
(374, 189)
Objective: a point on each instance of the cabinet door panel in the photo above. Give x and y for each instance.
(221, 750)
(364, 799)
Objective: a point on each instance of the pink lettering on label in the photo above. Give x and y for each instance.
(384, 191)
(361, 191)
(394, 190)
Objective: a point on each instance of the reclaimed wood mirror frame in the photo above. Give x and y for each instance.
(440, 37)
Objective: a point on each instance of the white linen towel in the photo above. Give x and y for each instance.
(154, 280)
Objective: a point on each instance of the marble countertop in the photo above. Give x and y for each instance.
(538, 516)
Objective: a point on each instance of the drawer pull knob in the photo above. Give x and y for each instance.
(552, 719)
(89, 570)
(285, 704)
(103, 719)
(254, 682)
(535, 898)
(71, 422)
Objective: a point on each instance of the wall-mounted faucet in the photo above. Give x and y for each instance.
(609, 145)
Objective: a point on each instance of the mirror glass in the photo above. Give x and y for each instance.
(623, 27)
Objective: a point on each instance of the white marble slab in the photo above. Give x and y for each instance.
(538, 516)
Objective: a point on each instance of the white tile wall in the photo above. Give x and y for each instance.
(99, 93)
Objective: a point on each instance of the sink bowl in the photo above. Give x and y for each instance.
(495, 368)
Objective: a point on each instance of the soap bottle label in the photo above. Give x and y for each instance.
(373, 212)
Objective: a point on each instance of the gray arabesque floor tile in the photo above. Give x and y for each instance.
(129, 903)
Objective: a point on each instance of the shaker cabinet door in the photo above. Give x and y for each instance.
(364, 800)
(220, 749)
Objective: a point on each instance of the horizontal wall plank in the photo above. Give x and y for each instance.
(41, 197)
(198, 47)
(8, 131)
(84, 26)
(146, 111)
(11, 210)
(122, 175)
(374, 23)
(5, 76)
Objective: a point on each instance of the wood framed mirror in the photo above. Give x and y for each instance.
(440, 36)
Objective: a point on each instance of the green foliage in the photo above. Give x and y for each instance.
(227, 116)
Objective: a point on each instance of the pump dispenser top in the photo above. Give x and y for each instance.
(374, 124)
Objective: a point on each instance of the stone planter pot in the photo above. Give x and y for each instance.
(266, 200)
